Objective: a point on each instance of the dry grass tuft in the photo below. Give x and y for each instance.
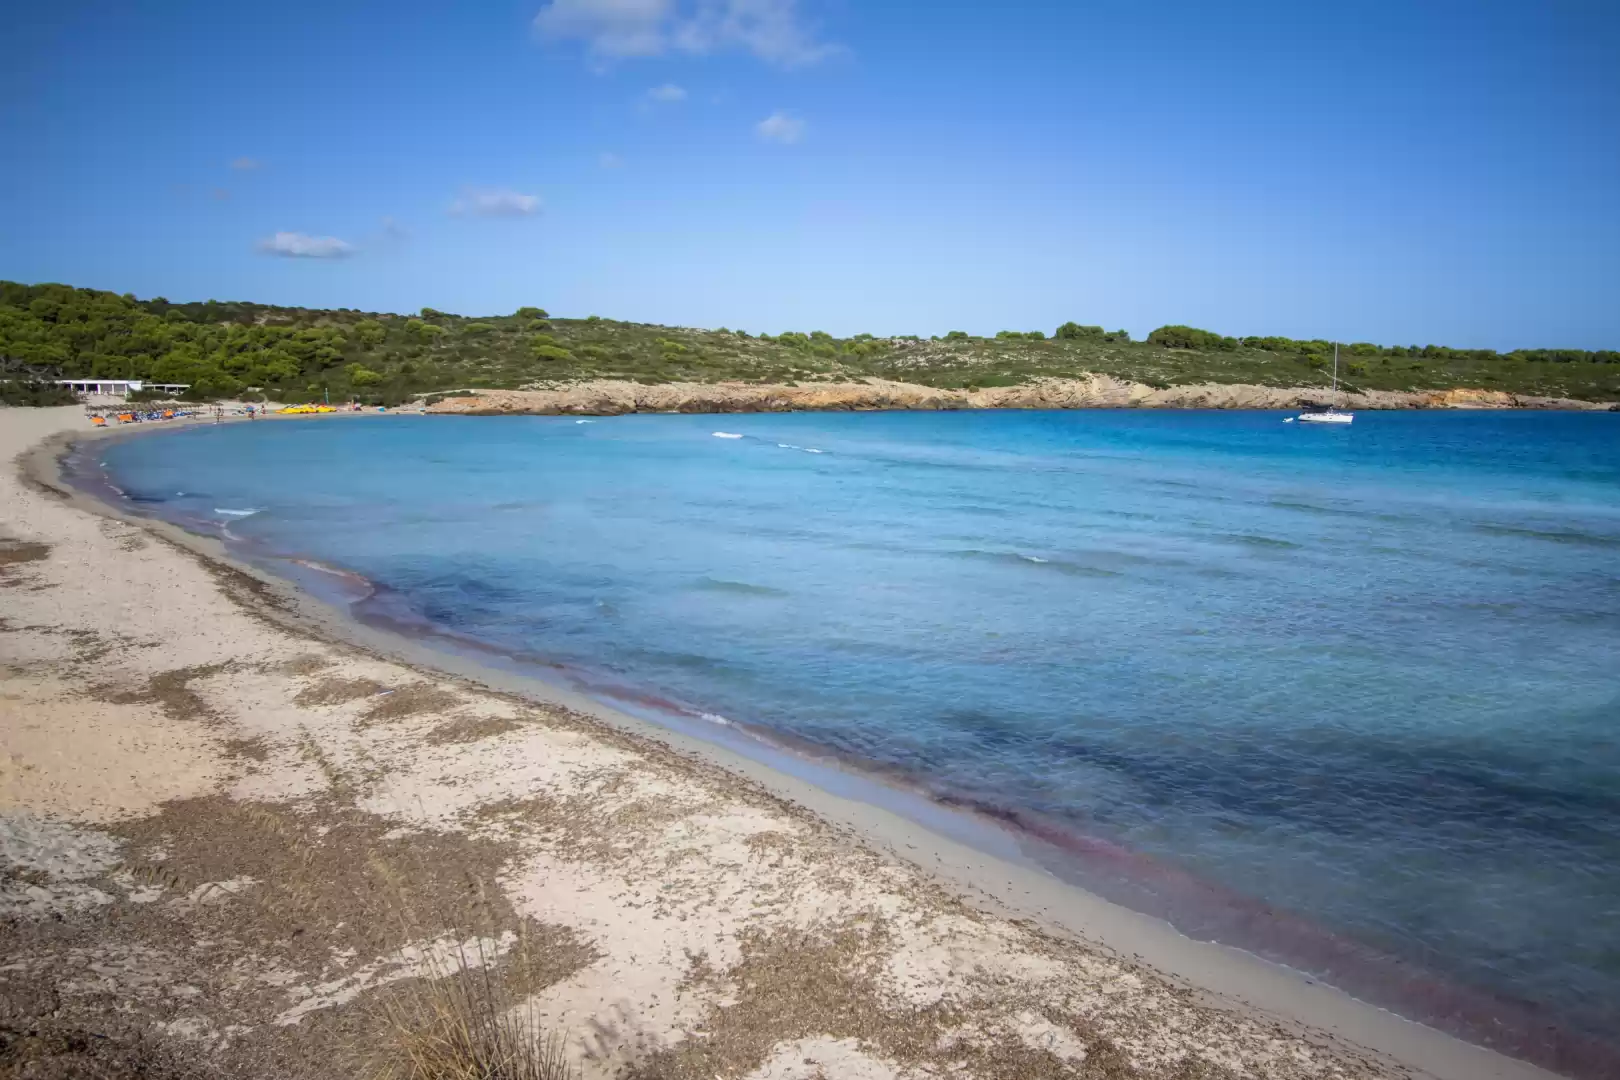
(463, 1022)
(338, 691)
(411, 701)
(16, 552)
(307, 663)
(468, 729)
(171, 691)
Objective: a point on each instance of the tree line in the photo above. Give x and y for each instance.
(294, 354)
(1190, 337)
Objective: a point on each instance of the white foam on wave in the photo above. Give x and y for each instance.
(813, 450)
(1032, 558)
(715, 718)
(726, 435)
(238, 513)
(584, 421)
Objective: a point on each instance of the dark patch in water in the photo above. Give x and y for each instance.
(1208, 910)
(1557, 536)
(1257, 541)
(684, 661)
(738, 588)
(1352, 787)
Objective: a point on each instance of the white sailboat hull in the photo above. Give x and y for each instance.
(1329, 415)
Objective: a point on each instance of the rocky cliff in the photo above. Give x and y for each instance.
(609, 397)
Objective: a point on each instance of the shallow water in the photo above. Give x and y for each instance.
(1284, 685)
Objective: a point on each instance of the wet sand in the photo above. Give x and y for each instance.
(192, 749)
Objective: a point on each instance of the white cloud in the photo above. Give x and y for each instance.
(667, 92)
(246, 164)
(610, 28)
(621, 29)
(780, 127)
(610, 160)
(495, 202)
(294, 245)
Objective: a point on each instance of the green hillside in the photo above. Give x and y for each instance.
(295, 354)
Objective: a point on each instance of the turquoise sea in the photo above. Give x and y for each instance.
(1349, 697)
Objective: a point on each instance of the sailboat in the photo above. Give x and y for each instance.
(1328, 415)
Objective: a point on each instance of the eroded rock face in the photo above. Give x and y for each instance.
(611, 398)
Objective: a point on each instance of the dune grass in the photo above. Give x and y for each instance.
(461, 1022)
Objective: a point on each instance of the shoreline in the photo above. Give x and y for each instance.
(613, 397)
(1005, 887)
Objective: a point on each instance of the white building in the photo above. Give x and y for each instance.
(118, 388)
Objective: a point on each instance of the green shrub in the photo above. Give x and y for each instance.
(1190, 337)
(35, 392)
(1073, 331)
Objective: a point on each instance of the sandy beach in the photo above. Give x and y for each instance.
(234, 822)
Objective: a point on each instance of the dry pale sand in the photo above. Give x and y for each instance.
(226, 840)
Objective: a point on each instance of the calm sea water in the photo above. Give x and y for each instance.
(1336, 693)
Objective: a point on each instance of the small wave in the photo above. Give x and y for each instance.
(1253, 540)
(726, 435)
(1018, 558)
(715, 718)
(813, 450)
(238, 513)
(584, 421)
(741, 588)
(788, 446)
(1557, 536)
(335, 571)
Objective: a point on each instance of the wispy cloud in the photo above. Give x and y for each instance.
(669, 92)
(610, 160)
(771, 30)
(246, 164)
(296, 245)
(393, 230)
(495, 202)
(780, 127)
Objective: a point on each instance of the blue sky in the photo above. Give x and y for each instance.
(1404, 171)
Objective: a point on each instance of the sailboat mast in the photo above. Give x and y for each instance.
(1335, 367)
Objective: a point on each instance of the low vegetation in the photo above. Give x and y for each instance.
(461, 1022)
(299, 354)
(34, 391)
